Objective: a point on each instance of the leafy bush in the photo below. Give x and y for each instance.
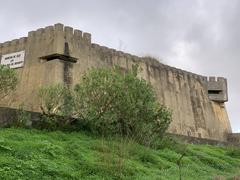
(8, 80)
(56, 100)
(113, 103)
(56, 103)
(23, 118)
(170, 142)
(108, 102)
(233, 152)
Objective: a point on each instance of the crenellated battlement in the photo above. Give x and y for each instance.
(211, 83)
(50, 40)
(62, 54)
(67, 31)
(216, 79)
(149, 61)
(13, 46)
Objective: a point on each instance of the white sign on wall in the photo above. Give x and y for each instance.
(13, 60)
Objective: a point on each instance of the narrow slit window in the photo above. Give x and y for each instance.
(214, 91)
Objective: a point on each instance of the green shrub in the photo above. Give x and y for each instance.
(113, 103)
(8, 81)
(108, 102)
(171, 143)
(233, 152)
(56, 100)
(23, 118)
(56, 103)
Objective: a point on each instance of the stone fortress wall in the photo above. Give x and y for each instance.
(60, 54)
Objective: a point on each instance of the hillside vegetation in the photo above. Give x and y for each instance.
(118, 112)
(34, 154)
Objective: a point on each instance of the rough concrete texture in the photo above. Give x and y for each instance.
(48, 59)
(234, 138)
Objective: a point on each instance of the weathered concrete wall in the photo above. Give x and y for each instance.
(47, 52)
(234, 138)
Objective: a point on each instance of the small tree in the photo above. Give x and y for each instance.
(56, 104)
(54, 100)
(8, 81)
(110, 102)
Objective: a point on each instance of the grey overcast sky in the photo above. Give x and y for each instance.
(201, 36)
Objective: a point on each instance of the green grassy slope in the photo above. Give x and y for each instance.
(33, 154)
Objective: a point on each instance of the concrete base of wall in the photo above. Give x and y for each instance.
(234, 138)
(9, 115)
(195, 140)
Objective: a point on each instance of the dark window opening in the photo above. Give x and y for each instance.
(214, 91)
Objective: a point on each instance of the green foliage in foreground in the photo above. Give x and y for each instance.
(33, 154)
(107, 102)
(112, 103)
(8, 81)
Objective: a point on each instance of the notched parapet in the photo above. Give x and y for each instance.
(77, 34)
(217, 89)
(68, 33)
(87, 37)
(13, 46)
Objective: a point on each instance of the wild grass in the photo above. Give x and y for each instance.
(34, 154)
